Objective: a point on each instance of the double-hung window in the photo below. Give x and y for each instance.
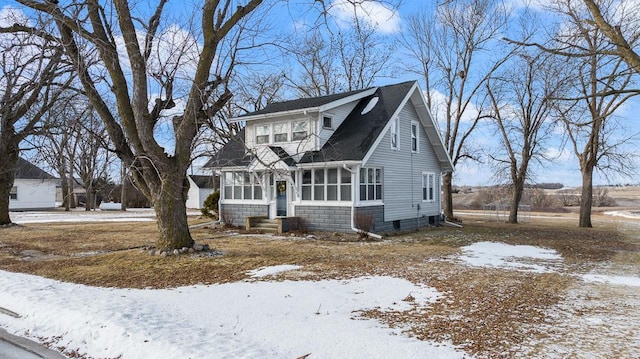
(395, 124)
(415, 137)
(299, 130)
(281, 132)
(262, 134)
(428, 187)
(370, 184)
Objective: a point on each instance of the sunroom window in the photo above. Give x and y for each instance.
(331, 184)
(241, 185)
(370, 184)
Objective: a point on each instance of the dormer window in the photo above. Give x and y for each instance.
(327, 122)
(262, 134)
(281, 132)
(300, 130)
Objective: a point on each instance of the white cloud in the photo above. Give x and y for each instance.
(10, 15)
(375, 14)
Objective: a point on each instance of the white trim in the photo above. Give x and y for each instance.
(395, 123)
(346, 100)
(330, 116)
(431, 175)
(369, 203)
(324, 203)
(242, 201)
(327, 164)
(417, 126)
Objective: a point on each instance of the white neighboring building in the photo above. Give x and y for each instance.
(33, 188)
(200, 187)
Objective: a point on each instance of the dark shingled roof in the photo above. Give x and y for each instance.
(300, 103)
(351, 141)
(355, 136)
(202, 181)
(231, 154)
(27, 170)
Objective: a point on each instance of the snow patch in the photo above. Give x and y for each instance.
(267, 271)
(611, 279)
(502, 255)
(259, 319)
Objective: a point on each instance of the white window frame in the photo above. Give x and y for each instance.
(395, 127)
(377, 180)
(287, 132)
(428, 187)
(13, 193)
(313, 186)
(415, 137)
(252, 185)
(269, 130)
(293, 133)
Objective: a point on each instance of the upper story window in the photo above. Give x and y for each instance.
(414, 137)
(370, 184)
(262, 134)
(299, 130)
(281, 132)
(327, 122)
(428, 186)
(13, 194)
(394, 133)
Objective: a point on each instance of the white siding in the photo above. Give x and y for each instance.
(34, 194)
(402, 171)
(292, 148)
(196, 195)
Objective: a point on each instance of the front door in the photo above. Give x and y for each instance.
(281, 198)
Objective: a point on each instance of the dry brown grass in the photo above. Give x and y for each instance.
(489, 312)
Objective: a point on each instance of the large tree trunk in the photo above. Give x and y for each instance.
(586, 199)
(171, 213)
(7, 177)
(447, 198)
(516, 197)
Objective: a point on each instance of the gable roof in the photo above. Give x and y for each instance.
(202, 181)
(358, 132)
(302, 104)
(27, 170)
(356, 137)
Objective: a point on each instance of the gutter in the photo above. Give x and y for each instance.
(353, 225)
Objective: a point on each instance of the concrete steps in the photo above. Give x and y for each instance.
(264, 225)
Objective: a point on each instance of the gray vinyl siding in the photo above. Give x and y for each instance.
(402, 171)
(339, 114)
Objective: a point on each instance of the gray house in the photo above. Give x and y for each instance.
(370, 159)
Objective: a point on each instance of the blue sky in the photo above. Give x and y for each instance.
(287, 17)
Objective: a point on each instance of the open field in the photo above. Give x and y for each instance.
(572, 308)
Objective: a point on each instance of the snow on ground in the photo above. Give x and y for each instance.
(131, 215)
(624, 214)
(507, 256)
(267, 271)
(234, 320)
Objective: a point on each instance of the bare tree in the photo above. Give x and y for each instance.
(145, 86)
(524, 99)
(32, 77)
(602, 81)
(457, 48)
(621, 27)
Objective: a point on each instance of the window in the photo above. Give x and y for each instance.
(428, 186)
(326, 122)
(299, 130)
(13, 194)
(370, 184)
(331, 184)
(262, 134)
(414, 137)
(242, 185)
(394, 133)
(281, 132)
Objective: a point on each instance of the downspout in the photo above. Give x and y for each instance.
(353, 201)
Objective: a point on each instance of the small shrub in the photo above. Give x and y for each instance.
(210, 206)
(227, 218)
(363, 222)
(298, 224)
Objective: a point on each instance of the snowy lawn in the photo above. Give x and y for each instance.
(483, 291)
